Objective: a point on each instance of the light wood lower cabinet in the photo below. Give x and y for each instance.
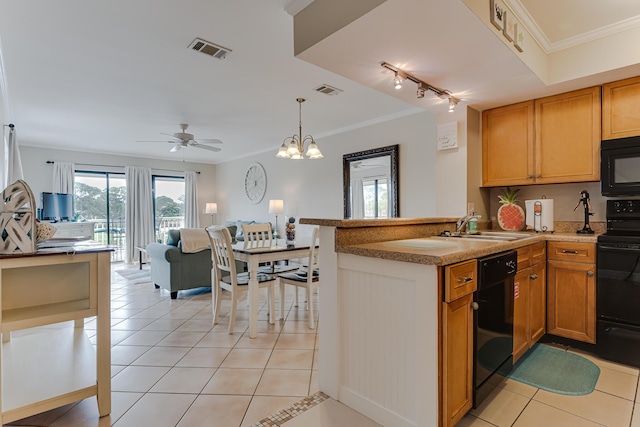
(571, 303)
(457, 341)
(529, 310)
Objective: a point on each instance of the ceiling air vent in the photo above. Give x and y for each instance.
(209, 48)
(328, 90)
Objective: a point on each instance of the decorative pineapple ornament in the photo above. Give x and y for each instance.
(510, 216)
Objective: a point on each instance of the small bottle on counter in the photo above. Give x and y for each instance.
(472, 225)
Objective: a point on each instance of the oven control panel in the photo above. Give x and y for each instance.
(627, 208)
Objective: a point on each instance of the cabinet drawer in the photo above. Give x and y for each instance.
(538, 252)
(460, 280)
(524, 257)
(572, 251)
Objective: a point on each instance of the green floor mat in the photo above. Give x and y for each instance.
(556, 370)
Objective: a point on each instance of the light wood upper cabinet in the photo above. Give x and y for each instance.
(567, 135)
(549, 140)
(507, 145)
(621, 109)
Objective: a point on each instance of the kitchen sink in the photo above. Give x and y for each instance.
(427, 243)
(500, 236)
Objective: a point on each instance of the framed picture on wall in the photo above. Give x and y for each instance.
(508, 23)
(518, 37)
(497, 14)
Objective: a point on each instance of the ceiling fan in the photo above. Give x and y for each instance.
(183, 139)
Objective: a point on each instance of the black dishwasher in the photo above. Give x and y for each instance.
(493, 331)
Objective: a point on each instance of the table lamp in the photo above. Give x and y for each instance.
(276, 207)
(211, 208)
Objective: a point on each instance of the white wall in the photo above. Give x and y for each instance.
(38, 174)
(314, 189)
(451, 168)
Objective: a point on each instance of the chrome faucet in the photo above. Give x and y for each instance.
(463, 221)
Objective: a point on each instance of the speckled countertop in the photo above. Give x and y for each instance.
(444, 251)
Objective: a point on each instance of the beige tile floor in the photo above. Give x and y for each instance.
(171, 367)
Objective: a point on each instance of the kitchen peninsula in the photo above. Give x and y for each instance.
(381, 346)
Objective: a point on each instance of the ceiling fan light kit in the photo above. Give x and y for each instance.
(184, 139)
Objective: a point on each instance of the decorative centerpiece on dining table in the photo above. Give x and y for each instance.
(290, 231)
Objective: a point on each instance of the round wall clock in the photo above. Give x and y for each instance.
(255, 182)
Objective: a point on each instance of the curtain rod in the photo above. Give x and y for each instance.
(112, 166)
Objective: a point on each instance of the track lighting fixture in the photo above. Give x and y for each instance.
(400, 75)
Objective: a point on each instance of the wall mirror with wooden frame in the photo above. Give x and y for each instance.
(370, 180)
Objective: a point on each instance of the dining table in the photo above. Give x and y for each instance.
(254, 255)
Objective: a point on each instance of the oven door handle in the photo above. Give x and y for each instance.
(614, 248)
(623, 333)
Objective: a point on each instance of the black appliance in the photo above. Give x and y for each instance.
(620, 167)
(618, 284)
(493, 317)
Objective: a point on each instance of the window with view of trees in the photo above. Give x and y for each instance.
(100, 197)
(376, 197)
(168, 195)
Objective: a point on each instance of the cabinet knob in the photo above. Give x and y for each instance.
(533, 276)
(465, 279)
(538, 176)
(529, 176)
(590, 273)
(566, 251)
(474, 306)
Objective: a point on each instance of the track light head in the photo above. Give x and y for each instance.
(397, 81)
(452, 104)
(420, 93)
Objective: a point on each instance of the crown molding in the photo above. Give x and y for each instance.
(522, 15)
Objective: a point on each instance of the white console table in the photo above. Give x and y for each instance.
(45, 368)
(73, 230)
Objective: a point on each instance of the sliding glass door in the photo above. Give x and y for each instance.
(100, 198)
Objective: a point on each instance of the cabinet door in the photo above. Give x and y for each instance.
(521, 313)
(457, 357)
(537, 302)
(571, 308)
(621, 109)
(507, 145)
(567, 147)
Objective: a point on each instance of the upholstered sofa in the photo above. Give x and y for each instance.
(176, 270)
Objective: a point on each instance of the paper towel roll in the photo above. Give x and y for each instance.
(539, 214)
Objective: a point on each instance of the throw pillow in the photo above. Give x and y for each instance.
(173, 237)
(232, 231)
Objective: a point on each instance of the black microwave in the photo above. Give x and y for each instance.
(620, 167)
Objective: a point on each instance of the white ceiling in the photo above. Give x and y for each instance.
(99, 76)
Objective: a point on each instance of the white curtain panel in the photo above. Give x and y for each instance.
(191, 218)
(13, 166)
(63, 177)
(139, 210)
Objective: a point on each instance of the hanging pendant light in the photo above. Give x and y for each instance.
(293, 146)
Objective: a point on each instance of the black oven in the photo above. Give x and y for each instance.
(618, 285)
(620, 167)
